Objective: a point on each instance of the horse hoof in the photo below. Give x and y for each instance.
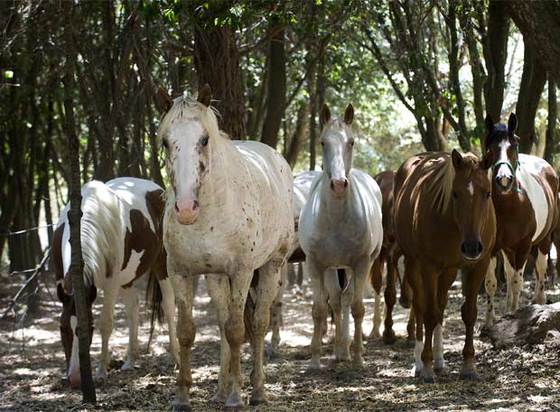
(127, 366)
(405, 303)
(217, 400)
(234, 401)
(100, 376)
(427, 375)
(257, 398)
(358, 362)
(470, 375)
(416, 372)
(389, 337)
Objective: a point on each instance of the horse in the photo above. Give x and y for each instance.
(121, 236)
(444, 220)
(229, 214)
(386, 265)
(340, 228)
(525, 195)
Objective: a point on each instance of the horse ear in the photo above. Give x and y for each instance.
(512, 124)
(62, 295)
(489, 123)
(325, 115)
(349, 114)
(487, 160)
(457, 159)
(163, 100)
(205, 95)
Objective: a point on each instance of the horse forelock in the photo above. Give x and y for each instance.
(437, 179)
(186, 108)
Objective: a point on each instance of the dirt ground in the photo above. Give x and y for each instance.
(32, 367)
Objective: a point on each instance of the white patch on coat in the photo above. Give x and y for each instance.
(529, 167)
(470, 187)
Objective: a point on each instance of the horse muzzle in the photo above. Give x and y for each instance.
(471, 250)
(186, 211)
(504, 182)
(339, 186)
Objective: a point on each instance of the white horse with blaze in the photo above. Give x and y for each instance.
(340, 228)
(229, 213)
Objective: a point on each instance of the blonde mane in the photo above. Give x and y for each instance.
(186, 108)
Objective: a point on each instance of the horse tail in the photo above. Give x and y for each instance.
(250, 306)
(154, 298)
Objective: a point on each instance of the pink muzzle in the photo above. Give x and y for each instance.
(186, 211)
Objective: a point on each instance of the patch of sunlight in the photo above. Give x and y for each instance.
(35, 336)
(25, 372)
(540, 398)
(289, 337)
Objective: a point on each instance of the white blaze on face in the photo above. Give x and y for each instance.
(503, 174)
(470, 187)
(74, 366)
(185, 159)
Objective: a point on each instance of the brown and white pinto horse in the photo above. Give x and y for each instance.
(525, 195)
(386, 264)
(121, 233)
(444, 220)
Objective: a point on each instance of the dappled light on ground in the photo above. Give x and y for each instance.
(32, 366)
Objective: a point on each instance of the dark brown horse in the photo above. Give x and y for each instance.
(525, 195)
(444, 220)
(388, 260)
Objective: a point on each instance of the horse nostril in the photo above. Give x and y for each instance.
(478, 248)
(176, 207)
(345, 182)
(195, 205)
(332, 185)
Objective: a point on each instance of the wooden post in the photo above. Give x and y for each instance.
(75, 213)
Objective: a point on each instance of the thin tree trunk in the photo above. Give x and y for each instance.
(298, 136)
(530, 91)
(495, 54)
(551, 138)
(276, 96)
(74, 216)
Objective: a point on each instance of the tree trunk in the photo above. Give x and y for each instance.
(299, 134)
(530, 91)
(539, 22)
(75, 214)
(276, 96)
(216, 59)
(551, 139)
(495, 54)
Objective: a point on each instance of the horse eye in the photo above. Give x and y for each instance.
(455, 195)
(488, 194)
(204, 141)
(165, 144)
(351, 142)
(322, 143)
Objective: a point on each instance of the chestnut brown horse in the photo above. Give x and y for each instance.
(386, 264)
(444, 220)
(525, 195)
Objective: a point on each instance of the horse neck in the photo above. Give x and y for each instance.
(216, 191)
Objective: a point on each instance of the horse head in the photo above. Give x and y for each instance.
(187, 131)
(502, 142)
(337, 140)
(471, 200)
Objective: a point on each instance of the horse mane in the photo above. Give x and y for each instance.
(100, 230)
(186, 108)
(438, 174)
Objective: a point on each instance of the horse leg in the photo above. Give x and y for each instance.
(432, 317)
(300, 274)
(276, 310)
(490, 284)
(361, 271)
(445, 282)
(390, 298)
(218, 289)
(268, 289)
(319, 311)
(186, 331)
(106, 328)
(332, 285)
(412, 274)
(130, 298)
(235, 332)
(471, 288)
(509, 272)
(377, 270)
(540, 268)
(411, 325)
(169, 309)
